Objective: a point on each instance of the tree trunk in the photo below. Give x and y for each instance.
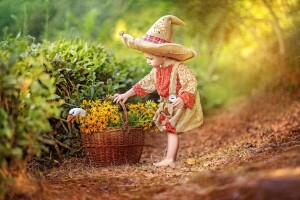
(276, 27)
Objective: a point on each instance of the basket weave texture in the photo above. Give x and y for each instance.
(115, 145)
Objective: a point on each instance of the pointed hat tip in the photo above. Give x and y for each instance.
(175, 20)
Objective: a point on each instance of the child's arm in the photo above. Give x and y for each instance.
(142, 88)
(123, 97)
(188, 82)
(146, 85)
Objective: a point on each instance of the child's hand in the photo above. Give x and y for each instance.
(123, 97)
(178, 103)
(120, 97)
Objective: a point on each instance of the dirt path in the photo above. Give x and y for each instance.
(250, 150)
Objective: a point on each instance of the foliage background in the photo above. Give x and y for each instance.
(226, 34)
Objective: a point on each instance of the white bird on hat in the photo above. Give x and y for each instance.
(75, 112)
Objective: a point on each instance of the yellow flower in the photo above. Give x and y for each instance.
(97, 102)
(95, 129)
(84, 103)
(115, 119)
(94, 109)
(101, 124)
(133, 107)
(103, 114)
(81, 119)
(85, 129)
(90, 119)
(109, 109)
(105, 104)
(149, 113)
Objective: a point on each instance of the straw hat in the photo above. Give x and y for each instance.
(159, 40)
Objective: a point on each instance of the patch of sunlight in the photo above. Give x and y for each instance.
(247, 51)
(284, 12)
(286, 172)
(259, 11)
(120, 26)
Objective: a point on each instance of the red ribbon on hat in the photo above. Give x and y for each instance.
(153, 39)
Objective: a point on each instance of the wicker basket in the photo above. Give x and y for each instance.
(114, 146)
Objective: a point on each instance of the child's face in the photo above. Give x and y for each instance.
(153, 60)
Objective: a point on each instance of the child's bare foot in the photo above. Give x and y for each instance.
(165, 163)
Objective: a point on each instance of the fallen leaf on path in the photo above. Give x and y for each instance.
(191, 161)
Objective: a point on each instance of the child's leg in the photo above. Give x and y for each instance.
(173, 144)
(172, 148)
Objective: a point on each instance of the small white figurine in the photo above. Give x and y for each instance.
(74, 112)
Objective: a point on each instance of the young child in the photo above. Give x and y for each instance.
(180, 109)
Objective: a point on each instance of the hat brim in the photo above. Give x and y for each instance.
(170, 50)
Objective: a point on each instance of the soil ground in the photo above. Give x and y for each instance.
(248, 150)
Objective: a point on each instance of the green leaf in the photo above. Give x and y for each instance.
(17, 152)
(92, 92)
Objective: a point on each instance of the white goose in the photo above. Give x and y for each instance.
(74, 112)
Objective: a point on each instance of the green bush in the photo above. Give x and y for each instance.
(82, 70)
(40, 80)
(27, 101)
(37, 77)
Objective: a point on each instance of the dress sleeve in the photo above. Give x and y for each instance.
(146, 85)
(188, 83)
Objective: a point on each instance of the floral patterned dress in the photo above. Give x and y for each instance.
(173, 80)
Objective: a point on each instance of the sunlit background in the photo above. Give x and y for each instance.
(242, 45)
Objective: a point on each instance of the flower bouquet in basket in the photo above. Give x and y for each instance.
(114, 135)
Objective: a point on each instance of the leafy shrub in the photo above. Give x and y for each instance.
(34, 76)
(82, 70)
(27, 101)
(36, 80)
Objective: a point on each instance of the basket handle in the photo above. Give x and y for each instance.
(125, 125)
